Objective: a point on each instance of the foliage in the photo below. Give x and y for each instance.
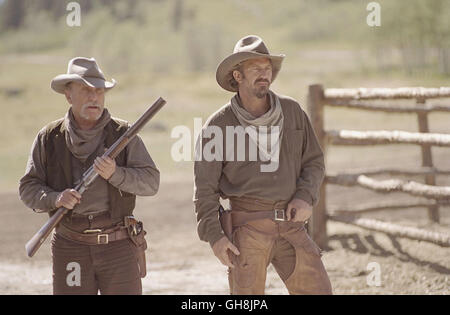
(168, 35)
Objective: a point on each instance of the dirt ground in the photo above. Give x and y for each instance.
(178, 263)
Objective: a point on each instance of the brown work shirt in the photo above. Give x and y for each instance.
(139, 177)
(299, 174)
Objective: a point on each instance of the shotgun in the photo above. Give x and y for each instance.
(90, 175)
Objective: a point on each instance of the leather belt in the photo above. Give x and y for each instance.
(96, 236)
(247, 209)
(240, 218)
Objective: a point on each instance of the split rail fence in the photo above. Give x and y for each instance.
(432, 196)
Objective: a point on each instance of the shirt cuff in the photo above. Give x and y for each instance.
(215, 237)
(50, 201)
(305, 196)
(117, 177)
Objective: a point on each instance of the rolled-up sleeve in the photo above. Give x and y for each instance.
(140, 176)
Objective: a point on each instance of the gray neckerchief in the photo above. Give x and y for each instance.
(272, 118)
(82, 143)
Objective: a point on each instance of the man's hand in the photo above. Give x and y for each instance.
(105, 166)
(298, 210)
(220, 249)
(68, 199)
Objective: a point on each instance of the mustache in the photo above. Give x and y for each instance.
(94, 104)
(262, 80)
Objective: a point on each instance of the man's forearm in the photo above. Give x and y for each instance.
(37, 196)
(309, 182)
(140, 176)
(313, 166)
(137, 181)
(208, 224)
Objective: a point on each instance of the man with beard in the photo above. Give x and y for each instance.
(269, 206)
(92, 249)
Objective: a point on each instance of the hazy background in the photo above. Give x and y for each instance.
(171, 48)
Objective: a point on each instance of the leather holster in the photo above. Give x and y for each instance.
(137, 235)
(226, 222)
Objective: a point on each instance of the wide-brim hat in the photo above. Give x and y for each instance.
(82, 70)
(249, 47)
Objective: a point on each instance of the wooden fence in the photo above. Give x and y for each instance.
(433, 196)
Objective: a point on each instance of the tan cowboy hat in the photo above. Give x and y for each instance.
(249, 47)
(83, 70)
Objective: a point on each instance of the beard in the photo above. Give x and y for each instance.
(261, 91)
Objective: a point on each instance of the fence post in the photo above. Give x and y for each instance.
(315, 111)
(427, 160)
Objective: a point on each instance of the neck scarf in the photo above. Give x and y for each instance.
(82, 143)
(262, 127)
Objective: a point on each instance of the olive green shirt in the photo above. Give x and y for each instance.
(300, 172)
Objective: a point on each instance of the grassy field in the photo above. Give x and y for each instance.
(28, 103)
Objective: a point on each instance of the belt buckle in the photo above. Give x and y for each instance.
(280, 215)
(99, 238)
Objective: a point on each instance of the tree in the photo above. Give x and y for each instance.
(12, 14)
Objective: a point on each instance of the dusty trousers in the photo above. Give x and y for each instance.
(88, 269)
(286, 245)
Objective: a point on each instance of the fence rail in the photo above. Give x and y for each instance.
(391, 107)
(385, 93)
(353, 137)
(432, 196)
(393, 171)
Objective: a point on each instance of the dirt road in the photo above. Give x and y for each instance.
(178, 263)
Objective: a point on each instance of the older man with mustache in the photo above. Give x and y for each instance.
(92, 249)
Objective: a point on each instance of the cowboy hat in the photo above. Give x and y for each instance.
(249, 47)
(83, 70)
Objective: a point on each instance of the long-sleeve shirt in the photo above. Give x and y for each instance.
(139, 177)
(300, 172)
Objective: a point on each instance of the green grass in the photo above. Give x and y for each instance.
(148, 58)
